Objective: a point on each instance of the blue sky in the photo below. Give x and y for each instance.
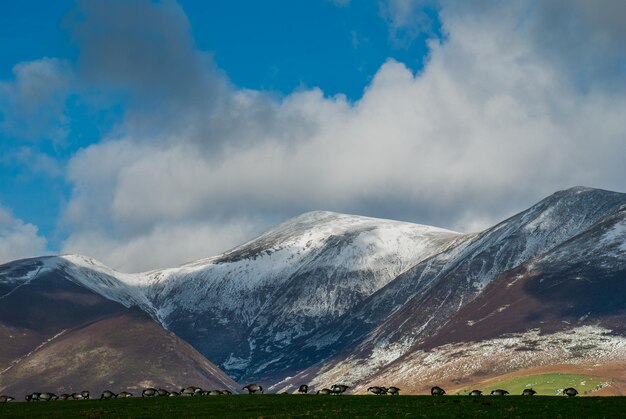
(164, 131)
(283, 46)
(273, 45)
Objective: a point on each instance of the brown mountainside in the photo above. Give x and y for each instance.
(60, 337)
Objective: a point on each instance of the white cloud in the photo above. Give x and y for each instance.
(407, 19)
(164, 246)
(586, 39)
(35, 161)
(490, 126)
(32, 105)
(18, 239)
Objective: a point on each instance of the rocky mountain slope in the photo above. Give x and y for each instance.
(246, 308)
(327, 297)
(557, 267)
(426, 297)
(60, 336)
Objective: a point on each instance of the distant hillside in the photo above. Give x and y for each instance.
(545, 287)
(60, 337)
(327, 297)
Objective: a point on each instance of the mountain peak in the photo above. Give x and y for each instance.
(580, 189)
(327, 293)
(317, 215)
(339, 222)
(584, 192)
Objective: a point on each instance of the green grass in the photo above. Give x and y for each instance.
(300, 406)
(547, 384)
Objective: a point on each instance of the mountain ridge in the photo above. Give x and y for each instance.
(402, 340)
(58, 335)
(325, 292)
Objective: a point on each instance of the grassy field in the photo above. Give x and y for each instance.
(345, 406)
(547, 384)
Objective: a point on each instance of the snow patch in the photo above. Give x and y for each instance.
(33, 269)
(616, 236)
(235, 363)
(582, 345)
(544, 221)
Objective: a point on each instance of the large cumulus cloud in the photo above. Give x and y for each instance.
(18, 239)
(494, 122)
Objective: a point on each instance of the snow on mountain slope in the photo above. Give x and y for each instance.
(117, 286)
(57, 333)
(240, 307)
(459, 274)
(324, 291)
(87, 272)
(285, 284)
(309, 318)
(314, 241)
(445, 282)
(566, 306)
(463, 365)
(423, 299)
(19, 273)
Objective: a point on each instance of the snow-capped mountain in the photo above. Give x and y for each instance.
(243, 309)
(559, 267)
(326, 297)
(433, 289)
(56, 334)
